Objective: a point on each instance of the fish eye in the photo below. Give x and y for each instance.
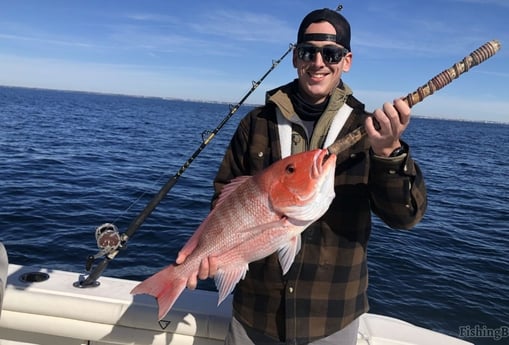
(290, 169)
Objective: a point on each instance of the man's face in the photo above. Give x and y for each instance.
(318, 78)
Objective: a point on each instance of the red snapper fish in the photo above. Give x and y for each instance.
(254, 217)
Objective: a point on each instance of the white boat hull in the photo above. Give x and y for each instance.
(54, 312)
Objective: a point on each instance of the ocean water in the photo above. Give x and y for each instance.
(72, 161)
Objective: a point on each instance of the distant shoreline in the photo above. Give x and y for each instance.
(220, 102)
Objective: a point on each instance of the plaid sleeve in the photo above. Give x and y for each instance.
(398, 192)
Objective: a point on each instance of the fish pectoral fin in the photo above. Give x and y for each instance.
(288, 252)
(227, 279)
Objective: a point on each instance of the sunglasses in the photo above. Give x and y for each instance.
(330, 53)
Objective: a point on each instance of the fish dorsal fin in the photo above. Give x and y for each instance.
(231, 187)
(288, 252)
(227, 279)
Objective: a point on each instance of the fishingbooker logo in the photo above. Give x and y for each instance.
(483, 331)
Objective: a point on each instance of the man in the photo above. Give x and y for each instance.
(320, 299)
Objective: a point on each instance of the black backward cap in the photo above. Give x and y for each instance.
(334, 18)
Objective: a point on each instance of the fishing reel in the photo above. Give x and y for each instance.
(108, 238)
(109, 241)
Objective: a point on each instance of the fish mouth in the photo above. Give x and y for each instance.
(322, 160)
(314, 201)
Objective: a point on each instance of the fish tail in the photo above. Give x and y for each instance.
(165, 286)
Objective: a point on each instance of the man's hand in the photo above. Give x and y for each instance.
(208, 268)
(393, 120)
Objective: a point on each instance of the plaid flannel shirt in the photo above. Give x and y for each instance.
(325, 288)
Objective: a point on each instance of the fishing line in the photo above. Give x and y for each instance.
(108, 238)
(204, 135)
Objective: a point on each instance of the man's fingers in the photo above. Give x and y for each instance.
(391, 113)
(208, 268)
(213, 266)
(403, 110)
(180, 258)
(370, 127)
(203, 272)
(192, 282)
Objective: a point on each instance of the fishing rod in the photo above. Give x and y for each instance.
(110, 241)
(442, 79)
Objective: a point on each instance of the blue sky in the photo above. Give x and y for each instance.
(206, 50)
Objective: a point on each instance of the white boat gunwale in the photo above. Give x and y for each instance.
(56, 312)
